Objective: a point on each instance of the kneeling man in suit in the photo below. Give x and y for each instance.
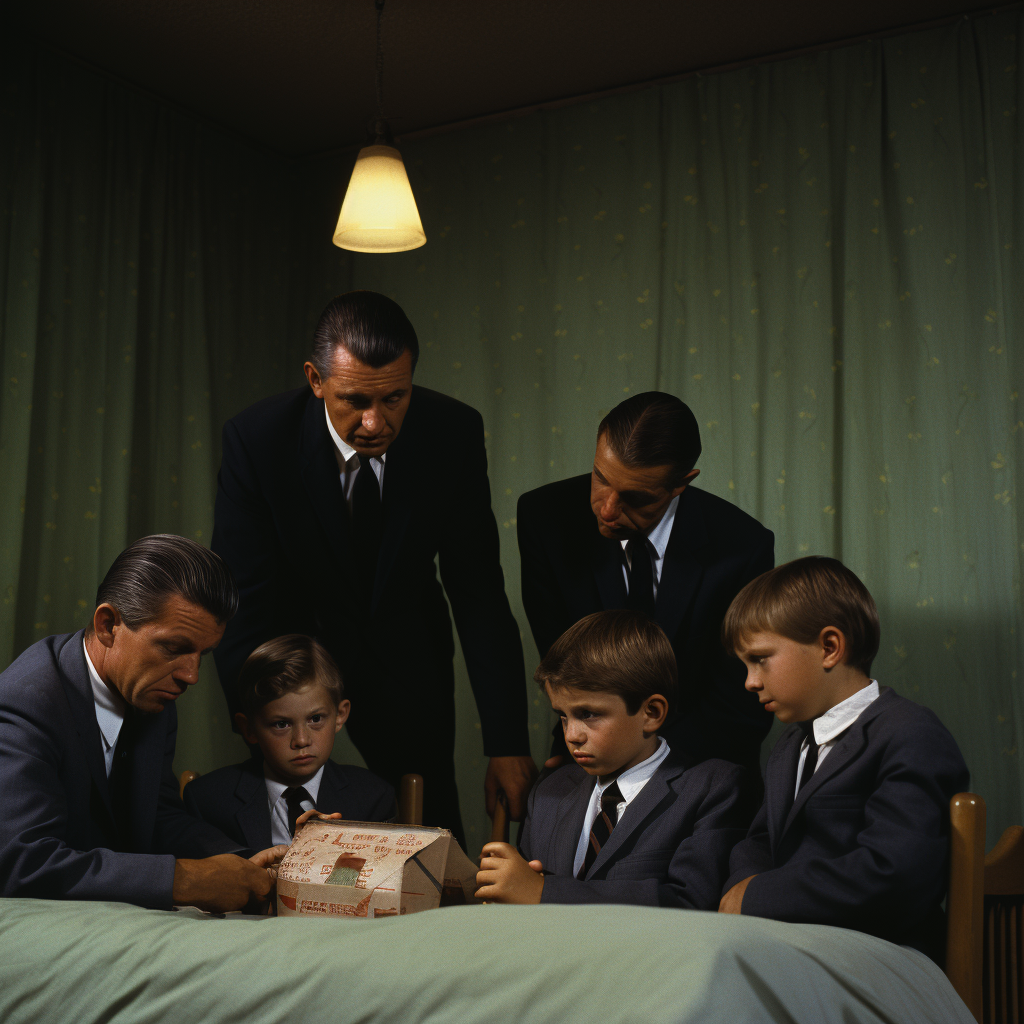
(635, 533)
(89, 805)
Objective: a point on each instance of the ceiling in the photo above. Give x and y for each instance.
(297, 75)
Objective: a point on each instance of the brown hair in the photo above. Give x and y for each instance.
(287, 664)
(621, 652)
(653, 429)
(799, 599)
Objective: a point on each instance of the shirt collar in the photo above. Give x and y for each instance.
(658, 537)
(110, 710)
(844, 714)
(632, 781)
(346, 450)
(275, 789)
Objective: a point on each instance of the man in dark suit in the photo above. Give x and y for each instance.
(333, 502)
(234, 799)
(89, 805)
(635, 533)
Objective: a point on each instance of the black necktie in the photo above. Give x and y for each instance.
(811, 760)
(367, 522)
(293, 797)
(602, 827)
(120, 782)
(641, 577)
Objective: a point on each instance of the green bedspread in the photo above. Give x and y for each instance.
(78, 963)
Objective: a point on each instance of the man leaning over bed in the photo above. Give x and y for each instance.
(89, 806)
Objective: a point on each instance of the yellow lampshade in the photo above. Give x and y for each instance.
(379, 212)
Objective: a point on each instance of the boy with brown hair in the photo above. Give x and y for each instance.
(631, 821)
(854, 829)
(293, 704)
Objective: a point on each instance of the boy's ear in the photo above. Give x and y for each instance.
(344, 708)
(655, 711)
(833, 647)
(245, 729)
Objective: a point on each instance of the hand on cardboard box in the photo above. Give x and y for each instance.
(220, 884)
(505, 877)
(269, 859)
(512, 776)
(313, 813)
(732, 901)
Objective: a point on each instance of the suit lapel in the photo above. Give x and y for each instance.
(781, 783)
(401, 468)
(638, 810)
(147, 758)
(78, 690)
(570, 815)
(684, 565)
(606, 562)
(330, 797)
(320, 474)
(847, 747)
(253, 816)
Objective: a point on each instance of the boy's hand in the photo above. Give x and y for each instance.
(219, 884)
(306, 815)
(504, 877)
(732, 901)
(514, 777)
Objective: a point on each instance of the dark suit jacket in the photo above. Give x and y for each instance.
(570, 571)
(282, 525)
(669, 849)
(234, 799)
(58, 837)
(865, 844)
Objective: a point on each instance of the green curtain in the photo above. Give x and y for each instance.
(818, 255)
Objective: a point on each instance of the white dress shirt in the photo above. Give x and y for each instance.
(110, 711)
(656, 546)
(280, 826)
(831, 725)
(630, 783)
(348, 463)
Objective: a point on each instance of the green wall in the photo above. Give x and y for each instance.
(819, 255)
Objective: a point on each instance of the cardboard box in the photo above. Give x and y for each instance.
(339, 868)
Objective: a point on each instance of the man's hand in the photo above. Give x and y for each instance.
(555, 762)
(269, 859)
(220, 884)
(504, 877)
(514, 777)
(732, 901)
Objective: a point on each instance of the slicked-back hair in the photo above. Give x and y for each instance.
(798, 600)
(287, 664)
(619, 651)
(653, 429)
(372, 327)
(155, 568)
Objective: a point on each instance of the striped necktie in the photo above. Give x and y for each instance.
(602, 827)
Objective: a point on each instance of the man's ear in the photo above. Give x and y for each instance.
(344, 708)
(655, 711)
(833, 647)
(104, 621)
(242, 721)
(313, 376)
(688, 479)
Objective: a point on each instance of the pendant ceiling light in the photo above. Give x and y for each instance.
(379, 212)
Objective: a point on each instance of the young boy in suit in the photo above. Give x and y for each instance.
(854, 830)
(293, 706)
(631, 821)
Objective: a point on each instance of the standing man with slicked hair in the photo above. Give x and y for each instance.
(635, 533)
(333, 502)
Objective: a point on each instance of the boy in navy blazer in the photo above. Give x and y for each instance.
(854, 830)
(292, 696)
(631, 821)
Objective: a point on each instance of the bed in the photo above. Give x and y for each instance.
(78, 963)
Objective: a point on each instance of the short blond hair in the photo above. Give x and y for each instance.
(799, 599)
(287, 664)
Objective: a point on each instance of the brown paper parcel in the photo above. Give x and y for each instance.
(371, 869)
